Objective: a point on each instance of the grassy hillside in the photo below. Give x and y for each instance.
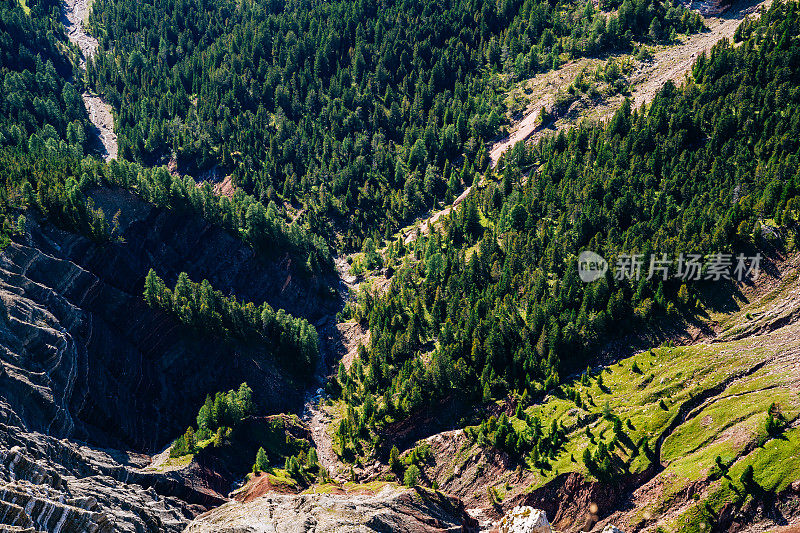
(692, 419)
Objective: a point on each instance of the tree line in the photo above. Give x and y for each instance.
(264, 228)
(294, 341)
(216, 419)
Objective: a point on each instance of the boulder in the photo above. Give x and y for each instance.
(611, 528)
(525, 519)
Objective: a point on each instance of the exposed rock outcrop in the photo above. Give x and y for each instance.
(392, 509)
(54, 485)
(708, 8)
(524, 519)
(82, 356)
(88, 372)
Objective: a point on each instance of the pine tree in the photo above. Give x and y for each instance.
(411, 476)
(394, 459)
(262, 462)
(313, 459)
(152, 289)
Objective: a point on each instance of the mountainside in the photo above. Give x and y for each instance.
(718, 391)
(518, 265)
(84, 359)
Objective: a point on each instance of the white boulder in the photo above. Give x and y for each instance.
(525, 519)
(611, 528)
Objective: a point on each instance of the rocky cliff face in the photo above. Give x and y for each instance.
(84, 357)
(87, 369)
(53, 485)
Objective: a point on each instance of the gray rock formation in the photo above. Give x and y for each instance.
(392, 509)
(57, 486)
(89, 373)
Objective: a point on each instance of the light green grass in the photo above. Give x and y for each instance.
(724, 427)
(173, 463)
(776, 465)
(330, 488)
(281, 478)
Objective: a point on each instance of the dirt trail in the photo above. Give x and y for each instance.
(522, 129)
(75, 12)
(675, 62)
(543, 88)
(670, 63)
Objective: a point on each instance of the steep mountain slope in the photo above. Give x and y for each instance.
(480, 325)
(645, 78)
(374, 104)
(717, 393)
(679, 406)
(449, 329)
(84, 359)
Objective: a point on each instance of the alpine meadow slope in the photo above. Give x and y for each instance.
(324, 275)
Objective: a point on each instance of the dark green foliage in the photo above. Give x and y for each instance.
(57, 186)
(43, 115)
(776, 422)
(294, 341)
(262, 462)
(354, 108)
(411, 476)
(39, 108)
(536, 444)
(508, 306)
(419, 455)
(216, 418)
(42, 126)
(602, 464)
(302, 467)
(224, 410)
(184, 445)
(394, 460)
(720, 469)
(265, 229)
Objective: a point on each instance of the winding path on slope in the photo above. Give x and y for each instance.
(670, 63)
(75, 12)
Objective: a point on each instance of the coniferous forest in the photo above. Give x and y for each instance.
(430, 307)
(502, 302)
(356, 111)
